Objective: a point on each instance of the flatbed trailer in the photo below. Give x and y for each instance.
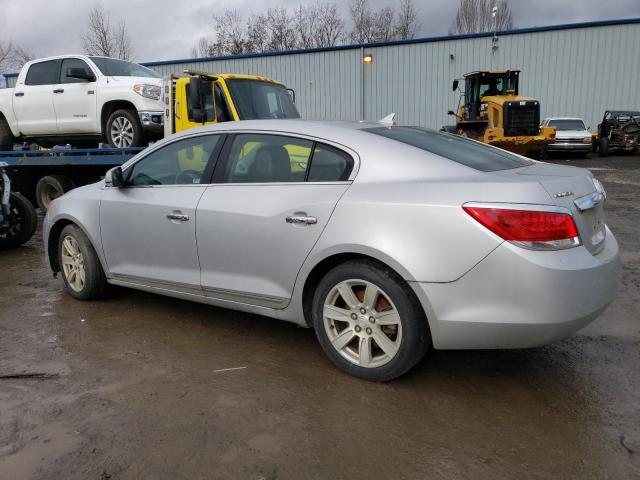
(42, 175)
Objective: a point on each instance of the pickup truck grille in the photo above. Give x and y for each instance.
(569, 140)
(521, 118)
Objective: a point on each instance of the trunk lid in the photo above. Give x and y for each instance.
(577, 190)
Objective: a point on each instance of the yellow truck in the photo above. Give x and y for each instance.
(492, 111)
(200, 98)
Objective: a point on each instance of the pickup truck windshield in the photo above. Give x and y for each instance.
(567, 124)
(255, 99)
(119, 68)
(461, 150)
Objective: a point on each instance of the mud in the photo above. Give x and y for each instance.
(138, 386)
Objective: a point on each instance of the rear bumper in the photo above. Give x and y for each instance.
(518, 298)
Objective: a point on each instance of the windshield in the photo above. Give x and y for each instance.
(567, 124)
(496, 86)
(459, 149)
(255, 99)
(119, 68)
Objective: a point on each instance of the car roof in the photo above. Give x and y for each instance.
(564, 118)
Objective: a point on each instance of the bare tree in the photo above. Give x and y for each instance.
(362, 17)
(6, 53)
(102, 38)
(305, 21)
(407, 25)
(330, 29)
(282, 35)
(383, 28)
(204, 48)
(476, 16)
(230, 36)
(12, 57)
(257, 34)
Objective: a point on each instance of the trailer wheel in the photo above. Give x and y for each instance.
(6, 137)
(51, 187)
(22, 222)
(124, 130)
(604, 147)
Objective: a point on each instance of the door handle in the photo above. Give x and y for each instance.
(301, 220)
(19, 94)
(179, 217)
(59, 90)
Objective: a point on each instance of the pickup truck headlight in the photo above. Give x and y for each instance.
(148, 91)
(586, 140)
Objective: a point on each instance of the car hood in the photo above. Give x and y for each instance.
(572, 134)
(134, 80)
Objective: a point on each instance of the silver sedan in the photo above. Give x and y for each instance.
(387, 240)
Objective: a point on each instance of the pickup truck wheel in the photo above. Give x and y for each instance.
(124, 130)
(6, 137)
(51, 187)
(21, 224)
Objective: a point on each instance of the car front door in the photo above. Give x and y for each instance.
(148, 226)
(33, 99)
(74, 100)
(271, 198)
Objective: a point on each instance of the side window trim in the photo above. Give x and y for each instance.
(208, 169)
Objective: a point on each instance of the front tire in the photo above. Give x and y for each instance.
(604, 147)
(369, 322)
(124, 130)
(22, 222)
(82, 273)
(6, 137)
(51, 187)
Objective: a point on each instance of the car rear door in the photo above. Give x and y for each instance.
(74, 100)
(148, 226)
(271, 199)
(33, 99)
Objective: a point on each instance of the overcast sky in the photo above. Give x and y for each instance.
(167, 29)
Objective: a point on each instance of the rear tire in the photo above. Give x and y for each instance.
(604, 147)
(81, 270)
(6, 137)
(22, 223)
(123, 130)
(51, 187)
(385, 341)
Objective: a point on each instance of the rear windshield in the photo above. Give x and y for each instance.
(459, 149)
(567, 124)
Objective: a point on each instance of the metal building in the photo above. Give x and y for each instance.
(574, 70)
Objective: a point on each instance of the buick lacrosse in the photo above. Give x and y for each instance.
(387, 240)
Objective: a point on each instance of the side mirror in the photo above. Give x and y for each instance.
(451, 112)
(80, 73)
(196, 99)
(292, 93)
(114, 178)
(455, 85)
(589, 127)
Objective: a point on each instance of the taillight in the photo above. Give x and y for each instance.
(533, 229)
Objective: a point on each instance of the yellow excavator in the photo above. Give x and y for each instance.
(492, 111)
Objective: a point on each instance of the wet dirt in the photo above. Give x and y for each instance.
(141, 386)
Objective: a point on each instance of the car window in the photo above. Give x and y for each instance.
(567, 124)
(453, 147)
(42, 73)
(68, 63)
(181, 163)
(329, 164)
(256, 158)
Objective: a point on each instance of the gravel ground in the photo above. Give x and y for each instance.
(132, 389)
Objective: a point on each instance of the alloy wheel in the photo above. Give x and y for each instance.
(73, 263)
(122, 132)
(362, 323)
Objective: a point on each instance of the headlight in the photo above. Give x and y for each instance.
(586, 140)
(148, 91)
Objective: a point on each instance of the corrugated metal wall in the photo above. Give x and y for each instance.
(572, 71)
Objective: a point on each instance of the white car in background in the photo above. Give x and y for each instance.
(571, 135)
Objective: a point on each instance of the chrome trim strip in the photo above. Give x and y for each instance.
(246, 297)
(590, 201)
(164, 284)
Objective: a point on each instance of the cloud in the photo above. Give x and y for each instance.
(163, 29)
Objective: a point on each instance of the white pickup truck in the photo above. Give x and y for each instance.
(82, 100)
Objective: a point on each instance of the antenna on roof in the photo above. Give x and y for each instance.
(389, 120)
